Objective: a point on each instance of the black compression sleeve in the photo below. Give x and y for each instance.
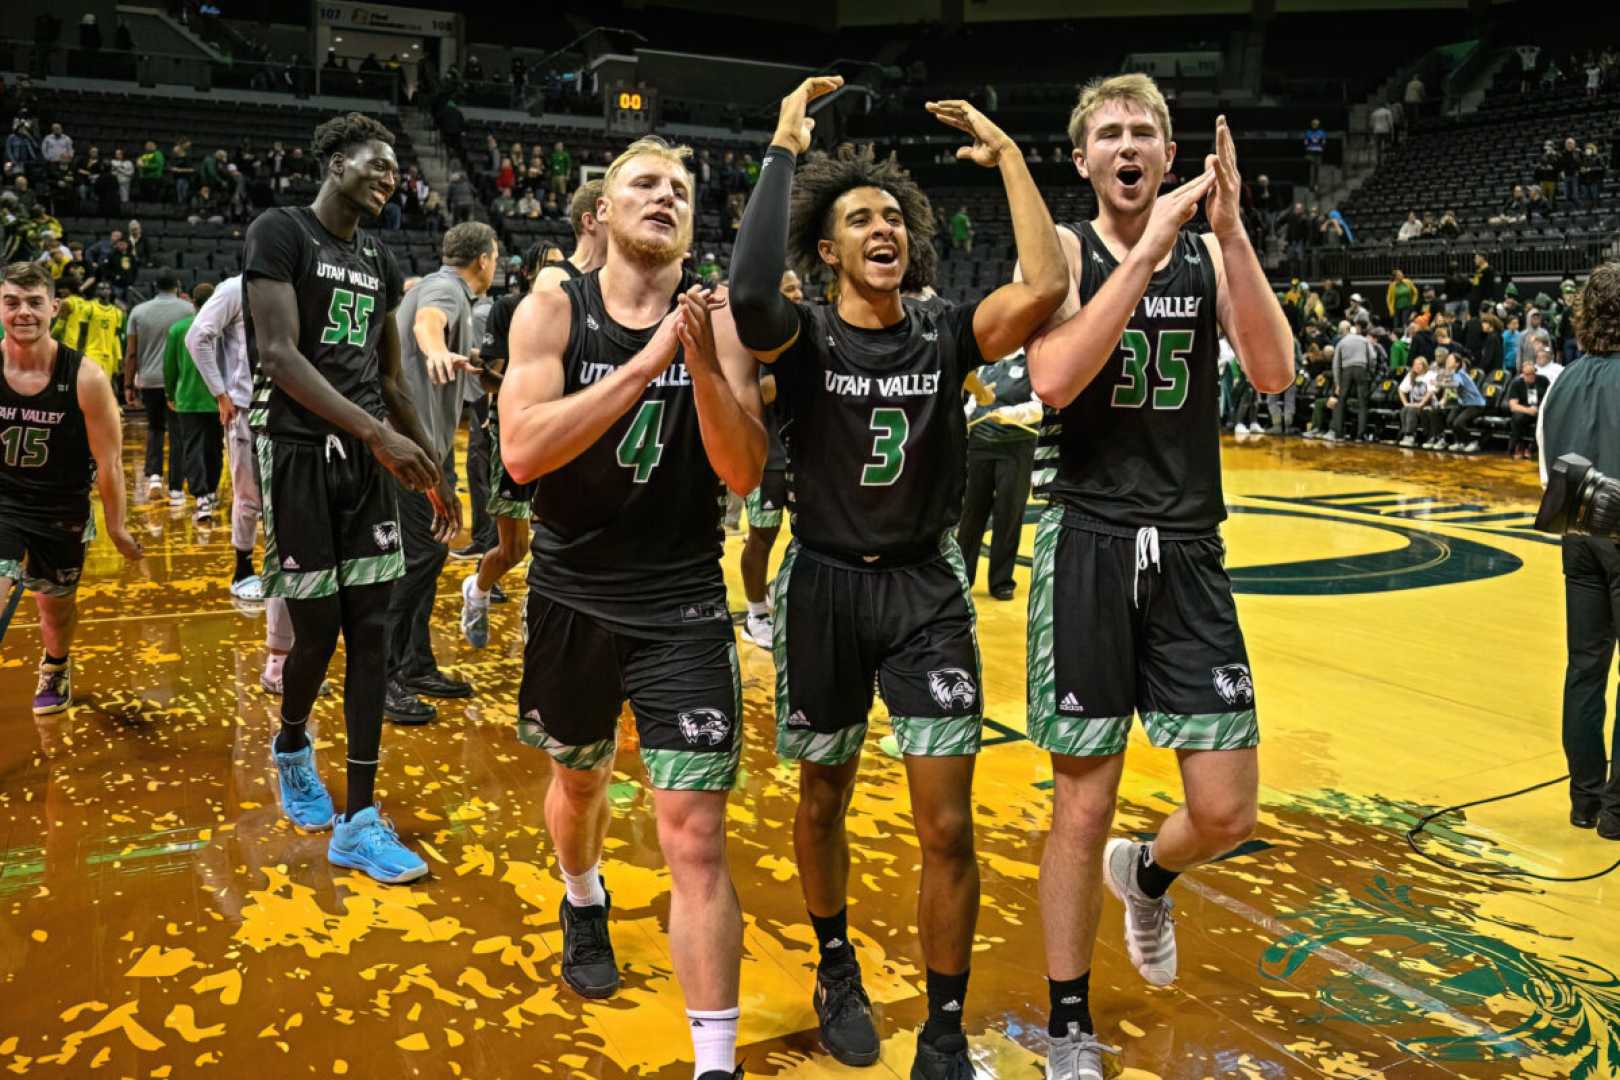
(765, 318)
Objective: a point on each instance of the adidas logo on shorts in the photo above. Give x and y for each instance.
(289, 563)
(1070, 704)
(797, 721)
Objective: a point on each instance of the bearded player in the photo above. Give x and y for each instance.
(631, 407)
(873, 585)
(1131, 609)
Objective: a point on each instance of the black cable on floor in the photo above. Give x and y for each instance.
(1415, 831)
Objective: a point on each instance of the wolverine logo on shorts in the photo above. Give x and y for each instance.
(704, 727)
(1234, 683)
(386, 533)
(952, 688)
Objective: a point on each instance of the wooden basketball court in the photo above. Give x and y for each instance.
(158, 918)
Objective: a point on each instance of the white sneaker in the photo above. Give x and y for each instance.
(177, 498)
(1150, 932)
(1258, 430)
(1312, 433)
(1330, 437)
(758, 629)
(1241, 429)
(1409, 441)
(205, 509)
(474, 614)
(1472, 448)
(154, 488)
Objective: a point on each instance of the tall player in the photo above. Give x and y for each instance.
(60, 430)
(629, 406)
(1130, 606)
(873, 584)
(509, 500)
(321, 294)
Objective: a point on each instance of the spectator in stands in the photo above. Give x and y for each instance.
(1489, 357)
(1524, 398)
(140, 246)
(708, 269)
(117, 271)
(1535, 333)
(205, 204)
(1333, 231)
(1591, 176)
(212, 170)
(1510, 344)
(1482, 286)
(1551, 76)
(503, 205)
(1527, 66)
(1353, 357)
(123, 170)
(149, 168)
(1315, 147)
(962, 231)
(52, 253)
(182, 170)
(528, 206)
(1594, 76)
(750, 170)
(1400, 350)
(492, 154)
(56, 148)
(461, 198)
(1564, 344)
(1356, 310)
(1513, 210)
(86, 171)
(1547, 172)
(1448, 228)
(1332, 299)
(1267, 201)
(1400, 298)
(551, 209)
(561, 166)
(21, 150)
(144, 380)
(1569, 170)
(433, 209)
(1383, 129)
(1411, 228)
(1297, 234)
(1464, 403)
(505, 177)
(1415, 95)
(1417, 398)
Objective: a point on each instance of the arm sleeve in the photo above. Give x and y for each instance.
(202, 342)
(765, 318)
(273, 248)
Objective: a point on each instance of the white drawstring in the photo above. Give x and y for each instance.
(1147, 554)
(335, 443)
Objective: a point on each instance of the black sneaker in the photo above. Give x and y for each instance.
(474, 550)
(497, 595)
(588, 965)
(1004, 592)
(403, 707)
(1583, 817)
(1608, 826)
(721, 1074)
(943, 1059)
(845, 1014)
(437, 684)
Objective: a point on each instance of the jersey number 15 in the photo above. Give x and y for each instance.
(1133, 389)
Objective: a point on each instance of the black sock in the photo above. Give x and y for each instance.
(291, 737)
(362, 788)
(1152, 878)
(832, 934)
(945, 996)
(1071, 1004)
(244, 566)
(56, 661)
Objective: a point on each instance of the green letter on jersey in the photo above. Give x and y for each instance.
(890, 428)
(1174, 345)
(1131, 391)
(641, 448)
(348, 319)
(26, 447)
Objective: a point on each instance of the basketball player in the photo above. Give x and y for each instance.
(60, 428)
(873, 585)
(764, 504)
(1131, 609)
(629, 405)
(509, 500)
(321, 295)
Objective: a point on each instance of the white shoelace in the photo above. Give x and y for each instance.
(1147, 554)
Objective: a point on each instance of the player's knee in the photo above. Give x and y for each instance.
(1224, 824)
(1083, 818)
(512, 546)
(582, 787)
(823, 800)
(693, 837)
(945, 834)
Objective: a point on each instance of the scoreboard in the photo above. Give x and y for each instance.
(631, 109)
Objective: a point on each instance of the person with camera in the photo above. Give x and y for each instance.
(1579, 417)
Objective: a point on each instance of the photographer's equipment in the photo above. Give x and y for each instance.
(1579, 500)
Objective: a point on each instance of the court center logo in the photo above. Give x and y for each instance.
(1234, 683)
(704, 727)
(952, 688)
(386, 533)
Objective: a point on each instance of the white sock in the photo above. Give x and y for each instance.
(584, 890)
(273, 663)
(714, 1041)
(758, 609)
(475, 593)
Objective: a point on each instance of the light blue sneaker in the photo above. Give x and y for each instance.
(303, 797)
(367, 842)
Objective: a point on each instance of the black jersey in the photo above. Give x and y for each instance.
(1140, 445)
(345, 288)
(775, 450)
(46, 468)
(629, 531)
(875, 435)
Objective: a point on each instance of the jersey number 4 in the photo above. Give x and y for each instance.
(643, 446)
(1133, 390)
(26, 447)
(889, 430)
(348, 318)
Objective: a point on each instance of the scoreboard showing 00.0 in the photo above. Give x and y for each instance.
(631, 110)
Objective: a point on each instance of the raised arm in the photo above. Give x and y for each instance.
(1006, 318)
(1244, 302)
(1064, 359)
(766, 321)
(103, 424)
(541, 429)
(725, 389)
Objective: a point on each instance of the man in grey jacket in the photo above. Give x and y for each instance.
(436, 337)
(1352, 378)
(149, 324)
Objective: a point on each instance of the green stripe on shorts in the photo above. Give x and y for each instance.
(497, 506)
(779, 588)
(372, 569)
(11, 568)
(938, 736)
(818, 748)
(584, 758)
(267, 514)
(1205, 731)
(684, 770)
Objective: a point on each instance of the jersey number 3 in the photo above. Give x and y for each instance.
(889, 430)
(1132, 390)
(642, 446)
(348, 318)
